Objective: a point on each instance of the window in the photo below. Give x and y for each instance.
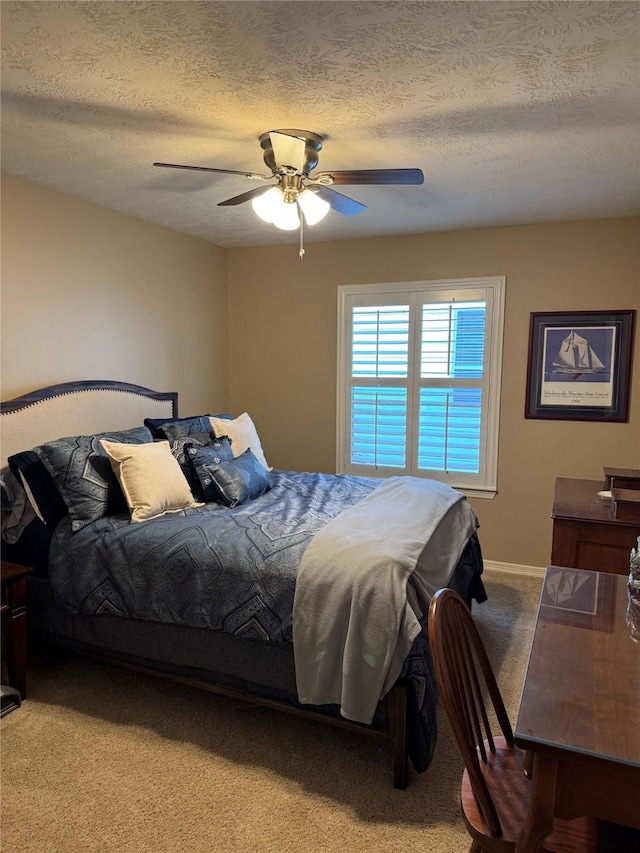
(419, 367)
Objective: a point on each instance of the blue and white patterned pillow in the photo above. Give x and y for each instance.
(204, 460)
(83, 475)
(179, 448)
(234, 481)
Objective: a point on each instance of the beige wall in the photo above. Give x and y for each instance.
(283, 352)
(92, 294)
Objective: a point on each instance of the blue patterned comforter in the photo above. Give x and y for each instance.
(226, 569)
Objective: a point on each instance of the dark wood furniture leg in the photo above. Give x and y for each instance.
(14, 624)
(397, 720)
(539, 821)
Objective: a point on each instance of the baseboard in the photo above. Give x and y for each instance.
(514, 569)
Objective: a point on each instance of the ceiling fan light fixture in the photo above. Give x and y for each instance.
(292, 156)
(268, 204)
(313, 207)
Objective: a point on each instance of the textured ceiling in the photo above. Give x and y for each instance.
(517, 112)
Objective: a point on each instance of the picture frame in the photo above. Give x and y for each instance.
(579, 365)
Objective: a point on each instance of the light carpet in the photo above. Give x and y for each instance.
(100, 759)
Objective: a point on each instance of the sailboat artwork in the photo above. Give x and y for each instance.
(576, 356)
(579, 365)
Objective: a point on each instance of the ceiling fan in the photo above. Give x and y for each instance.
(292, 155)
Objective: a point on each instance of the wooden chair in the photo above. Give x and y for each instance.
(495, 792)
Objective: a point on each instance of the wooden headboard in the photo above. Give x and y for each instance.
(78, 408)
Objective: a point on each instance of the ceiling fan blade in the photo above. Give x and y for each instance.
(342, 203)
(376, 176)
(240, 199)
(288, 150)
(209, 169)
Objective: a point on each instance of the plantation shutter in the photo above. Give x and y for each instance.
(379, 370)
(418, 383)
(451, 372)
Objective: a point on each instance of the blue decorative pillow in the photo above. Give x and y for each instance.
(205, 459)
(184, 426)
(170, 430)
(155, 424)
(82, 473)
(43, 493)
(238, 480)
(179, 450)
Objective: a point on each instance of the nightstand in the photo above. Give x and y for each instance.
(14, 623)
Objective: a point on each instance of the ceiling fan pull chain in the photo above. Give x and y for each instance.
(301, 252)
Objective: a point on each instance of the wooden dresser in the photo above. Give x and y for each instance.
(586, 534)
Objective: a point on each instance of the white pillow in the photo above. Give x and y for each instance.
(150, 478)
(243, 434)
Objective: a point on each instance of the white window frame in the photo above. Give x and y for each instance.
(491, 289)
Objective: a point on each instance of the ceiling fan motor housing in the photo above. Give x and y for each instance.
(312, 147)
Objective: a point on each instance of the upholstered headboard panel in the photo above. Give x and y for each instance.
(78, 408)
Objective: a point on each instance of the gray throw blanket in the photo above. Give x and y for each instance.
(363, 583)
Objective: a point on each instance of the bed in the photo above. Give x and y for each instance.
(264, 585)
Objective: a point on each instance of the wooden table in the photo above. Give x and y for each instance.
(14, 623)
(586, 534)
(579, 711)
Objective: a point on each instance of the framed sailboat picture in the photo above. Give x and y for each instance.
(580, 365)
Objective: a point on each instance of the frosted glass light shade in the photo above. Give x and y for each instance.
(313, 207)
(286, 217)
(267, 205)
